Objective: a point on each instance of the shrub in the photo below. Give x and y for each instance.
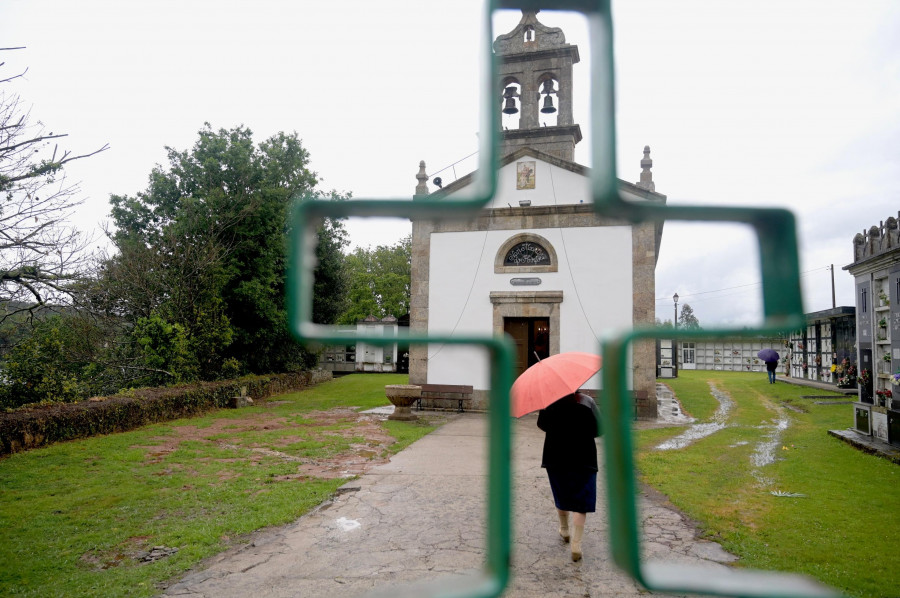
(34, 427)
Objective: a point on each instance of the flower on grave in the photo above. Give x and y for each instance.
(833, 368)
(865, 376)
(895, 379)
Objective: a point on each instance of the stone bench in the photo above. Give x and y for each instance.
(445, 392)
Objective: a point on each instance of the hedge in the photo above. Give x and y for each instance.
(34, 427)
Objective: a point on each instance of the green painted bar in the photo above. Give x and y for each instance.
(779, 264)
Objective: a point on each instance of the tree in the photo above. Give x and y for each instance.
(687, 320)
(379, 282)
(41, 255)
(330, 286)
(61, 359)
(202, 252)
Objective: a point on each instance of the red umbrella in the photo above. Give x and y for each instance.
(551, 379)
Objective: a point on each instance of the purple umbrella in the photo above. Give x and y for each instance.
(768, 355)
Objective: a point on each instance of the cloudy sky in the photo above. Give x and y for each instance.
(774, 103)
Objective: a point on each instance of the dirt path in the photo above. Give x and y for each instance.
(370, 446)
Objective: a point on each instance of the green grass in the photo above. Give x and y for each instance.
(844, 532)
(74, 516)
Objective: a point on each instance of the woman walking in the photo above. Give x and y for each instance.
(570, 458)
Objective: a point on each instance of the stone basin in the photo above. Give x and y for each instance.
(403, 396)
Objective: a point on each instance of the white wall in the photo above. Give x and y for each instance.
(369, 357)
(553, 186)
(595, 276)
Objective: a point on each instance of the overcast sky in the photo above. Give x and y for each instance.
(771, 103)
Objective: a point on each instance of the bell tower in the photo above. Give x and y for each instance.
(535, 64)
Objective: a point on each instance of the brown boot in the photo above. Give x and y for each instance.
(563, 524)
(577, 533)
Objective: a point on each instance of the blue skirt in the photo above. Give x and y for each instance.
(574, 490)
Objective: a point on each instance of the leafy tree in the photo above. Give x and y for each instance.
(41, 254)
(202, 249)
(51, 364)
(330, 287)
(166, 349)
(687, 320)
(379, 282)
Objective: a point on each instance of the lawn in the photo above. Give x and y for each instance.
(794, 499)
(77, 518)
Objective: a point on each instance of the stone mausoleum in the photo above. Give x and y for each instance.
(876, 269)
(537, 263)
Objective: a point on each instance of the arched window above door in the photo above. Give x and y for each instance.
(525, 253)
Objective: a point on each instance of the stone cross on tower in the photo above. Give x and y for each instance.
(535, 64)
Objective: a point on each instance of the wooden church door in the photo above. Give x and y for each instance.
(532, 339)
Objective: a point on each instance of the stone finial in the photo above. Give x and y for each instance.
(646, 181)
(422, 187)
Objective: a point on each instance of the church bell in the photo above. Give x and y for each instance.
(548, 105)
(510, 94)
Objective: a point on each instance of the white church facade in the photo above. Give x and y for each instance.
(537, 263)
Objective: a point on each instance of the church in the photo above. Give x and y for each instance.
(537, 263)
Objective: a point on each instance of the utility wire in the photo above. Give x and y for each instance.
(452, 165)
(462, 311)
(562, 236)
(741, 286)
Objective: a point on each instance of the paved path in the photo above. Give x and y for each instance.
(421, 517)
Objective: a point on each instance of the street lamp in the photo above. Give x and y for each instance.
(675, 341)
(676, 310)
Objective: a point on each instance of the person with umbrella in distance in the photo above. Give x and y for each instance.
(571, 422)
(770, 357)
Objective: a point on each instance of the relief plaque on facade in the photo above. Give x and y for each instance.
(525, 175)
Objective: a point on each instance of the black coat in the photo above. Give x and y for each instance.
(571, 428)
(771, 366)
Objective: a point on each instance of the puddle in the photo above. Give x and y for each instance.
(386, 410)
(766, 450)
(346, 525)
(698, 431)
(668, 408)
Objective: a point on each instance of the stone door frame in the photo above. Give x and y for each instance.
(528, 304)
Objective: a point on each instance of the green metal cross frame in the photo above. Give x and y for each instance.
(776, 233)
